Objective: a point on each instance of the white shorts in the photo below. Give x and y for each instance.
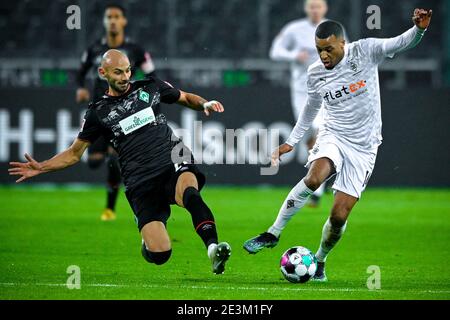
(353, 167)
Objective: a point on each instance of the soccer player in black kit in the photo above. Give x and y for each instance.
(114, 21)
(129, 116)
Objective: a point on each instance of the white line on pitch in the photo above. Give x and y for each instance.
(222, 288)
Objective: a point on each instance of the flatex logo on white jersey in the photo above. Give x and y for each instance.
(345, 93)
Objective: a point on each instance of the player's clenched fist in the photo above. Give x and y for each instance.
(213, 105)
(422, 18)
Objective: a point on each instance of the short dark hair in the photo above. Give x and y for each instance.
(328, 28)
(117, 6)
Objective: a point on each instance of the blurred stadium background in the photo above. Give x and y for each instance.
(220, 50)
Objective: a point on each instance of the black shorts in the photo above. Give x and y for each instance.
(151, 200)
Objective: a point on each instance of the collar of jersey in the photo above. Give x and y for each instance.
(126, 94)
(104, 41)
(315, 25)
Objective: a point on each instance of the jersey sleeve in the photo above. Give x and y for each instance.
(309, 113)
(145, 62)
(91, 128)
(168, 93)
(86, 64)
(283, 46)
(379, 49)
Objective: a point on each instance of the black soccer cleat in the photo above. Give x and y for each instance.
(145, 254)
(320, 275)
(264, 240)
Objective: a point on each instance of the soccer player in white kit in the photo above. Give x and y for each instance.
(346, 80)
(296, 44)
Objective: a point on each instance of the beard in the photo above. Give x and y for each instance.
(120, 87)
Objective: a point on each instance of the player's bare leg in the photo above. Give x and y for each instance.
(188, 197)
(333, 230)
(314, 201)
(319, 171)
(311, 142)
(156, 246)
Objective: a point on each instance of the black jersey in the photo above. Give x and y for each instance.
(136, 128)
(139, 59)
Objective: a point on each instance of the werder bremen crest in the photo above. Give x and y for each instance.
(144, 96)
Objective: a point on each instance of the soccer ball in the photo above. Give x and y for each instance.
(298, 264)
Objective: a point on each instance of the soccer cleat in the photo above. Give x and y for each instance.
(144, 252)
(320, 275)
(264, 240)
(221, 254)
(108, 215)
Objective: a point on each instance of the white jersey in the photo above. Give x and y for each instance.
(351, 92)
(295, 37)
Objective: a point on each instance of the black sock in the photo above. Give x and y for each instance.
(202, 217)
(111, 197)
(114, 180)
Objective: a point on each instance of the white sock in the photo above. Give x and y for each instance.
(319, 192)
(295, 200)
(330, 236)
(212, 250)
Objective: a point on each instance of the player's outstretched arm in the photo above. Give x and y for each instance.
(422, 18)
(281, 49)
(82, 93)
(408, 40)
(62, 160)
(198, 103)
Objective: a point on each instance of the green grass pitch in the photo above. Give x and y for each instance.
(406, 232)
